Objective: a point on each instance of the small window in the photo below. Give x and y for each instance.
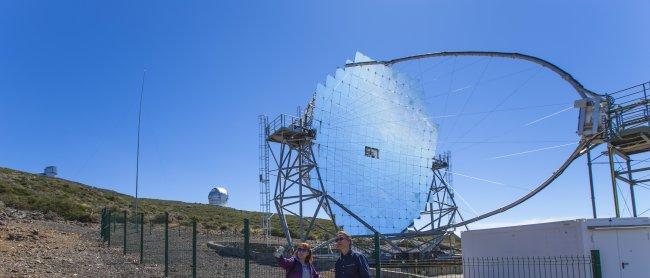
(372, 152)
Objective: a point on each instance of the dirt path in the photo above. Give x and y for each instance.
(31, 247)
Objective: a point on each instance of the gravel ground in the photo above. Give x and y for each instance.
(33, 246)
(36, 245)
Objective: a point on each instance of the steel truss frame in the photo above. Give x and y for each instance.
(295, 159)
(297, 192)
(441, 209)
(265, 192)
(626, 119)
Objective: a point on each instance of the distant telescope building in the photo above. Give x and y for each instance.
(50, 171)
(218, 197)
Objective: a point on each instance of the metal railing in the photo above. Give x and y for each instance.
(284, 121)
(630, 108)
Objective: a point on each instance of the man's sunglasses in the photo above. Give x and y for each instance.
(339, 239)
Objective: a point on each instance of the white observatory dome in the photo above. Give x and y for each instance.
(218, 196)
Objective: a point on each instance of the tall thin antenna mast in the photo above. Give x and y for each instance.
(137, 155)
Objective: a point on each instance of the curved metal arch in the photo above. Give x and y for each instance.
(582, 148)
(584, 145)
(582, 91)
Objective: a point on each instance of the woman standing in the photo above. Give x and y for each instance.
(300, 265)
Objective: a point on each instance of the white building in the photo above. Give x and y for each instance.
(623, 244)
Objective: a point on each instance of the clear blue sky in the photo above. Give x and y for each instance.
(70, 75)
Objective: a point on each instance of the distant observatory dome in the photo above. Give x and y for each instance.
(218, 196)
(50, 171)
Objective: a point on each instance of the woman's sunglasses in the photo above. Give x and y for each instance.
(300, 250)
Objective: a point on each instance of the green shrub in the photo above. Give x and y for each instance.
(74, 201)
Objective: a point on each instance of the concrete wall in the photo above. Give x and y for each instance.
(549, 239)
(624, 243)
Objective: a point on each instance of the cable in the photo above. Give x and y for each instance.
(644, 212)
(465, 202)
(451, 80)
(500, 110)
(462, 109)
(486, 81)
(627, 207)
(548, 116)
(580, 149)
(535, 150)
(496, 107)
(454, 70)
(488, 181)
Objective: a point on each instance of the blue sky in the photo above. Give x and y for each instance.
(70, 74)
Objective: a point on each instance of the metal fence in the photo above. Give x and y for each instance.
(186, 249)
(516, 267)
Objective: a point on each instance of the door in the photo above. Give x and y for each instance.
(624, 252)
(606, 240)
(634, 250)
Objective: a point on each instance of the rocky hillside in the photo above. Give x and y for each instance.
(79, 202)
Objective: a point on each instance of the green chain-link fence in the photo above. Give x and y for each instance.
(186, 249)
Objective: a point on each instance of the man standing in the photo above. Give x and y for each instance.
(351, 264)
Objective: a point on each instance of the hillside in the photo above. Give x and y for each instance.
(80, 202)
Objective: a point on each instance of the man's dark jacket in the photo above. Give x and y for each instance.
(352, 265)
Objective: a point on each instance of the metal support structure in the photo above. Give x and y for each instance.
(141, 237)
(377, 256)
(632, 183)
(617, 126)
(137, 158)
(247, 249)
(595, 264)
(582, 91)
(108, 232)
(612, 170)
(166, 244)
(298, 182)
(295, 185)
(620, 119)
(124, 229)
(194, 248)
(265, 189)
(626, 176)
(595, 137)
(102, 227)
(295, 164)
(591, 184)
(441, 209)
(294, 188)
(628, 114)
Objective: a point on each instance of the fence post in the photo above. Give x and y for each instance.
(108, 232)
(101, 226)
(194, 248)
(377, 256)
(141, 237)
(166, 244)
(247, 254)
(124, 229)
(595, 264)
